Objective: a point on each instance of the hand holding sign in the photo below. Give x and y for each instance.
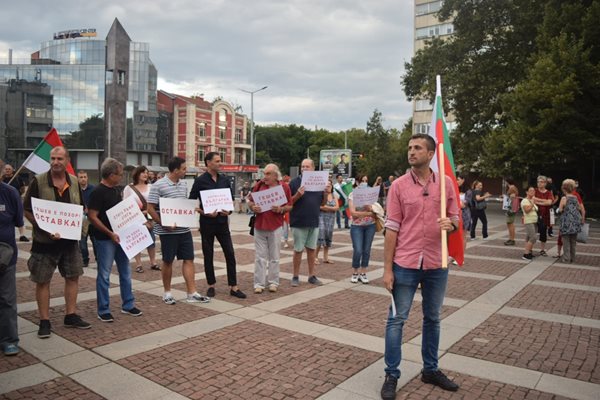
(178, 213)
(268, 199)
(61, 220)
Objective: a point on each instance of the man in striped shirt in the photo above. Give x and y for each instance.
(174, 241)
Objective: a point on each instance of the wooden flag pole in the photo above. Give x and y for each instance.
(442, 178)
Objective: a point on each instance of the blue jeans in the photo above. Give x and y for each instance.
(362, 238)
(109, 251)
(338, 219)
(433, 287)
(85, 254)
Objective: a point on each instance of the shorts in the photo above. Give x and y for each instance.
(69, 262)
(530, 233)
(153, 236)
(510, 217)
(305, 237)
(177, 244)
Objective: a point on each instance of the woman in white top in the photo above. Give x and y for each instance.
(140, 188)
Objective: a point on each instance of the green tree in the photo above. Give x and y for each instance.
(89, 136)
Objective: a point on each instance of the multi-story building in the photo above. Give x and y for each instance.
(198, 127)
(428, 26)
(104, 97)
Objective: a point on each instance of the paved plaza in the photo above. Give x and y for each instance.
(511, 329)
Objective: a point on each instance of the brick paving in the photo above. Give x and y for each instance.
(26, 288)
(251, 361)
(23, 359)
(376, 255)
(578, 303)
(593, 261)
(493, 267)
(505, 252)
(472, 388)
(57, 389)
(560, 349)
(570, 275)
(464, 288)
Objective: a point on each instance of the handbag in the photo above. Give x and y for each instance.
(251, 224)
(582, 236)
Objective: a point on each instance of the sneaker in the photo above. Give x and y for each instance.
(237, 293)
(485, 238)
(473, 238)
(197, 298)
(11, 350)
(75, 321)
(388, 390)
(314, 280)
(543, 253)
(527, 256)
(169, 300)
(363, 278)
(258, 290)
(211, 292)
(295, 281)
(106, 317)
(23, 239)
(272, 288)
(45, 329)
(286, 245)
(509, 243)
(354, 278)
(438, 378)
(132, 311)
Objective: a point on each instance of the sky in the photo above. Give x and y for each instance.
(327, 63)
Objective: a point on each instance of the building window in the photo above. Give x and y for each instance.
(201, 154)
(223, 116)
(222, 154)
(222, 132)
(109, 77)
(121, 78)
(238, 135)
(434, 30)
(201, 129)
(422, 128)
(238, 157)
(428, 8)
(423, 105)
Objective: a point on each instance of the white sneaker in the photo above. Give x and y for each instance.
(354, 278)
(363, 278)
(272, 288)
(197, 298)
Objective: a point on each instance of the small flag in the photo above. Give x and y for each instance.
(39, 161)
(439, 132)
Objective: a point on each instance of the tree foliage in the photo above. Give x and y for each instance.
(89, 135)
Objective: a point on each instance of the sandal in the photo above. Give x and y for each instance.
(139, 269)
(317, 262)
(155, 267)
(328, 262)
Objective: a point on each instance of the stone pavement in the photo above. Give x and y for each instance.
(510, 329)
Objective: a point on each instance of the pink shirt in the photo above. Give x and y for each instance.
(412, 211)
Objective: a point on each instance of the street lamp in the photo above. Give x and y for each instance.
(252, 141)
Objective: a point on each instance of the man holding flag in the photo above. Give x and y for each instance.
(422, 208)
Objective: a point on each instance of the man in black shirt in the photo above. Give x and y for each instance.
(216, 225)
(8, 177)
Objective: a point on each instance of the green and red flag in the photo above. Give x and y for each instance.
(439, 132)
(39, 161)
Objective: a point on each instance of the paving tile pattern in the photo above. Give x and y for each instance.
(26, 288)
(493, 267)
(565, 350)
(376, 255)
(157, 316)
(578, 303)
(587, 248)
(56, 389)
(150, 275)
(573, 276)
(23, 359)
(370, 316)
(504, 252)
(472, 388)
(251, 361)
(460, 287)
(339, 271)
(22, 265)
(593, 261)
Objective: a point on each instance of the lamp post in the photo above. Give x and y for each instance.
(252, 141)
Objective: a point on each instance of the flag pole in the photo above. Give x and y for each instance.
(17, 172)
(442, 176)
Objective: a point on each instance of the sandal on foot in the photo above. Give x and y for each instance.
(139, 269)
(155, 267)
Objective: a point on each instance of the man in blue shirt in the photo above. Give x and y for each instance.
(86, 190)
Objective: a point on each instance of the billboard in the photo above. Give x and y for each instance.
(75, 33)
(336, 161)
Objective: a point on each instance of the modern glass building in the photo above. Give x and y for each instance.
(76, 71)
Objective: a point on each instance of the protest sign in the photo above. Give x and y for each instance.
(266, 199)
(124, 214)
(55, 217)
(180, 213)
(134, 238)
(362, 196)
(216, 200)
(314, 181)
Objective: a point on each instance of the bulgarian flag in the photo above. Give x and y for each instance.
(439, 132)
(39, 161)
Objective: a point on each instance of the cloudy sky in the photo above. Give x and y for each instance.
(327, 63)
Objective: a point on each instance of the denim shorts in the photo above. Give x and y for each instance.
(69, 262)
(177, 244)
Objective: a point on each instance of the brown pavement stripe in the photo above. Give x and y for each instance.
(519, 242)
(569, 351)
(23, 359)
(471, 388)
(340, 270)
(242, 256)
(57, 389)
(508, 253)
(242, 238)
(358, 312)
(245, 282)
(22, 265)
(251, 360)
(588, 248)
(152, 275)
(489, 266)
(578, 303)
(593, 261)
(572, 275)
(26, 288)
(157, 316)
(376, 255)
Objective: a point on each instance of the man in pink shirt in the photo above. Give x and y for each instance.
(413, 256)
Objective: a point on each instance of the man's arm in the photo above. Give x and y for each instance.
(93, 217)
(389, 249)
(195, 192)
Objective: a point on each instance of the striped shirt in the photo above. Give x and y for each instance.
(164, 187)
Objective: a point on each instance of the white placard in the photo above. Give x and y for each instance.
(314, 181)
(180, 213)
(125, 214)
(266, 199)
(133, 239)
(55, 217)
(363, 196)
(216, 200)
